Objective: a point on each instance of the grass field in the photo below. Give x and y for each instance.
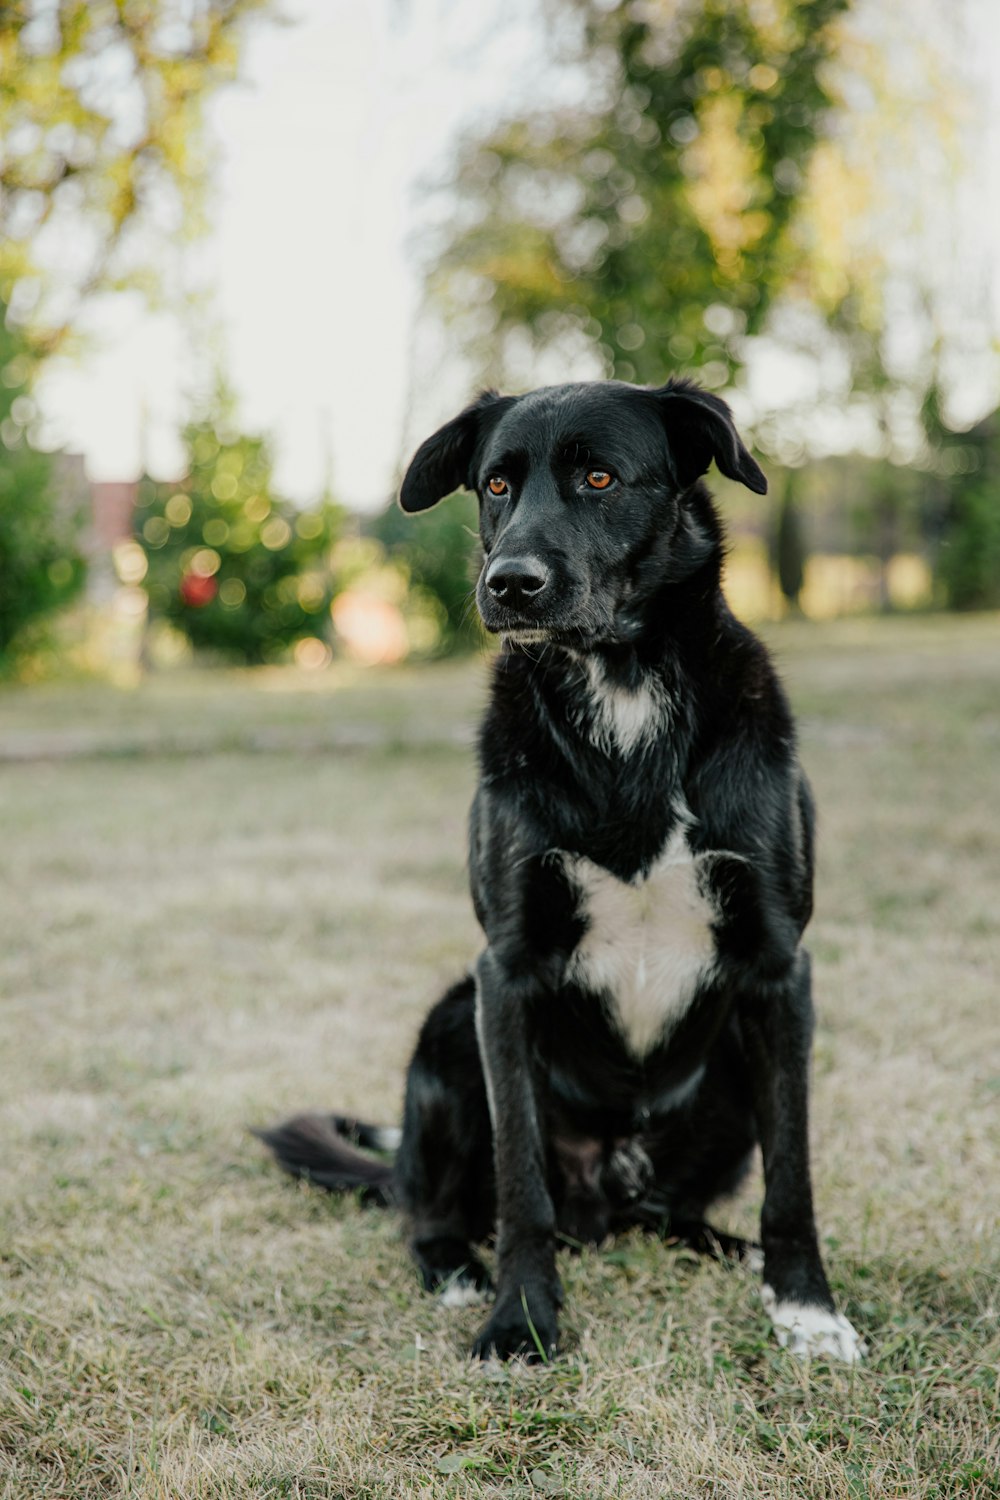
(227, 897)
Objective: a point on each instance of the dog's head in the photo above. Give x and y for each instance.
(589, 500)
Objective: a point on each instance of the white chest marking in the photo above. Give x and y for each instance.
(649, 945)
(624, 718)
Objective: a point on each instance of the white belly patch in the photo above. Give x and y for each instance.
(649, 946)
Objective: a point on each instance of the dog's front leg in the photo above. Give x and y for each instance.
(776, 1027)
(524, 1317)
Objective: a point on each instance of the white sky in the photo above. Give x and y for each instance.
(311, 250)
(316, 215)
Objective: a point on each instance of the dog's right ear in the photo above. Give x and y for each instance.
(442, 464)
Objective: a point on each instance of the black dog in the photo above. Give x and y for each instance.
(641, 851)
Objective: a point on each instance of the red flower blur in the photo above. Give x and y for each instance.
(196, 590)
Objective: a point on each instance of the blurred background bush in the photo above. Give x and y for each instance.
(41, 566)
(224, 559)
(786, 198)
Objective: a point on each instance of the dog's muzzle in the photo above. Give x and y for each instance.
(527, 598)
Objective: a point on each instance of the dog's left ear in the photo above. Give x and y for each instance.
(443, 461)
(699, 428)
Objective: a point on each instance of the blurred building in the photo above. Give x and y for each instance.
(112, 502)
(105, 508)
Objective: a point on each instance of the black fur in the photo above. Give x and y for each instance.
(603, 595)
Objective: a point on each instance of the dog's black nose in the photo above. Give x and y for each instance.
(516, 579)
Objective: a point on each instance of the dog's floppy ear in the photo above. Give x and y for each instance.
(699, 428)
(441, 464)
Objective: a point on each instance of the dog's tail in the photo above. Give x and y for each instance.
(327, 1150)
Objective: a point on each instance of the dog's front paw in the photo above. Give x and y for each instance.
(812, 1332)
(520, 1326)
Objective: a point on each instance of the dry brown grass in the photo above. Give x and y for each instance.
(229, 897)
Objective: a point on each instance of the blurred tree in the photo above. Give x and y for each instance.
(964, 507)
(236, 568)
(900, 309)
(789, 550)
(41, 568)
(437, 549)
(102, 123)
(651, 225)
(652, 222)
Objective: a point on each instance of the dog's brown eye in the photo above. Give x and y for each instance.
(496, 486)
(598, 479)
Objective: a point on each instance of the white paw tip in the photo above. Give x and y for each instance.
(462, 1294)
(812, 1332)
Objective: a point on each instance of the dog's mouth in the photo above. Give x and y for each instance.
(572, 638)
(576, 633)
(527, 637)
(516, 624)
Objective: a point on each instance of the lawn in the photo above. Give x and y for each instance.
(231, 896)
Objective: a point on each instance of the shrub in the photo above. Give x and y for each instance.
(231, 564)
(439, 549)
(41, 567)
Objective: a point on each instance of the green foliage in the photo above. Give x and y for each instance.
(102, 120)
(41, 568)
(439, 549)
(230, 563)
(655, 222)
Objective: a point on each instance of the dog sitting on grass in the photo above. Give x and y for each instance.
(641, 864)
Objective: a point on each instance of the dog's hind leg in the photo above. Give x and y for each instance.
(701, 1151)
(700, 1236)
(686, 1223)
(444, 1168)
